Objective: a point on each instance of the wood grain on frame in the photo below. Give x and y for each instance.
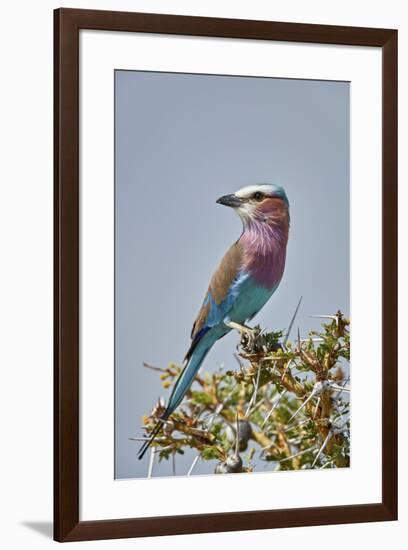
(67, 23)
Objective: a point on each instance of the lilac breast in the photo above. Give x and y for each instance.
(265, 252)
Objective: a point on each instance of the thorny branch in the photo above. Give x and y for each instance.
(288, 402)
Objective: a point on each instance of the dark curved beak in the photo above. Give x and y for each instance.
(230, 200)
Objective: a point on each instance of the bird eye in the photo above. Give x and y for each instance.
(258, 196)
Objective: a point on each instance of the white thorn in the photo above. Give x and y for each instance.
(334, 317)
(318, 388)
(289, 428)
(273, 408)
(310, 450)
(253, 397)
(329, 434)
(193, 465)
(301, 407)
(151, 462)
(317, 406)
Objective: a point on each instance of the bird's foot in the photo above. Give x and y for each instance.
(248, 334)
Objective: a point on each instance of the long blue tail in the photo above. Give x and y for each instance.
(184, 381)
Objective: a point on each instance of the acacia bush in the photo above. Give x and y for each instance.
(287, 403)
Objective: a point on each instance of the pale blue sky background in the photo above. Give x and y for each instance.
(181, 142)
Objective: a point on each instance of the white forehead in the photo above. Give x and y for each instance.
(249, 190)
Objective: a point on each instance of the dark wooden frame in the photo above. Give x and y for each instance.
(67, 23)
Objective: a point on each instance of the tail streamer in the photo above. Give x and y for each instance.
(184, 381)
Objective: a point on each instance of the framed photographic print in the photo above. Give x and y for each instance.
(225, 274)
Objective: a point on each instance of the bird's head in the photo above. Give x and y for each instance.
(262, 203)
